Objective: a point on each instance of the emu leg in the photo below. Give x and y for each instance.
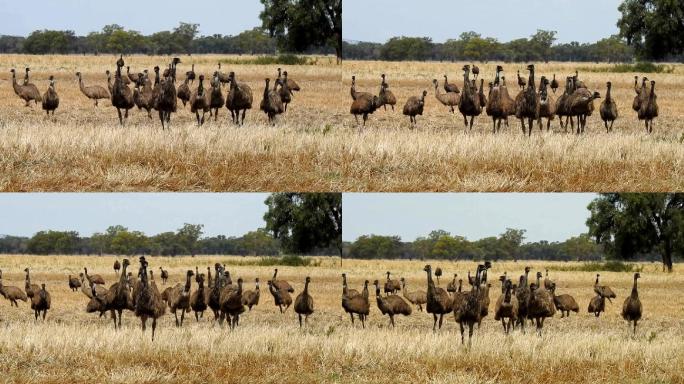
(462, 333)
(120, 118)
(434, 325)
(441, 316)
(154, 326)
(472, 119)
(182, 316)
(244, 112)
(530, 121)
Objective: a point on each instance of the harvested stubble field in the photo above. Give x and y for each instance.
(440, 155)
(316, 145)
(72, 346)
(83, 148)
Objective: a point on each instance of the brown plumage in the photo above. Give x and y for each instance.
(148, 303)
(29, 288)
(521, 81)
(74, 283)
(448, 99)
(345, 290)
(547, 106)
(95, 279)
(122, 96)
(450, 87)
(284, 92)
(304, 303)
(271, 103)
(183, 92)
(391, 305)
(216, 99)
(164, 274)
(547, 282)
(190, 75)
(132, 77)
(597, 304)
(554, 83)
(386, 97)
(417, 298)
(117, 267)
(414, 106)
(363, 106)
(231, 304)
(469, 310)
(359, 95)
(144, 97)
(50, 98)
(281, 284)
(117, 298)
(564, 303)
(582, 105)
(40, 302)
(523, 293)
(506, 307)
(93, 92)
(88, 288)
(527, 102)
(452, 286)
(438, 300)
(251, 298)
(166, 98)
(179, 298)
(476, 71)
(357, 304)
(224, 78)
(214, 299)
(608, 109)
(391, 285)
(495, 102)
(239, 98)
(281, 297)
(12, 294)
(25, 92)
(603, 290)
(469, 104)
(562, 106)
(640, 93)
(199, 298)
(291, 84)
(541, 304)
(631, 309)
(649, 108)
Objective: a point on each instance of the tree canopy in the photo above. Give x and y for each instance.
(655, 28)
(301, 24)
(305, 221)
(628, 224)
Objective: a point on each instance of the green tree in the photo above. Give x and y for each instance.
(188, 235)
(301, 24)
(407, 48)
(655, 28)
(305, 221)
(53, 242)
(260, 242)
(541, 43)
(627, 224)
(42, 42)
(376, 247)
(183, 35)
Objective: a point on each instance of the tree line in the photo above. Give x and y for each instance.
(621, 226)
(296, 223)
(472, 46)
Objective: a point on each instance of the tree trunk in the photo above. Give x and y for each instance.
(667, 256)
(340, 248)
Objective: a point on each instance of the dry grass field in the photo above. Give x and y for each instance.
(72, 346)
(84, 149)
(317, 146)
(440, 155)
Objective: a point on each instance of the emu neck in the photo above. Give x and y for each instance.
(306, 287)
(635, 293)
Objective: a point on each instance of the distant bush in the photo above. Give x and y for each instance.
(609, 266)
(286, 59)
(290, 261)
(640, 67)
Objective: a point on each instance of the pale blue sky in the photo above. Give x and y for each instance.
(545, 216)
(575, 20)
(226, 17)
(230, 214)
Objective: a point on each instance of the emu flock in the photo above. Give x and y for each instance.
(162, 95)
(516, 304)
(532, 103)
